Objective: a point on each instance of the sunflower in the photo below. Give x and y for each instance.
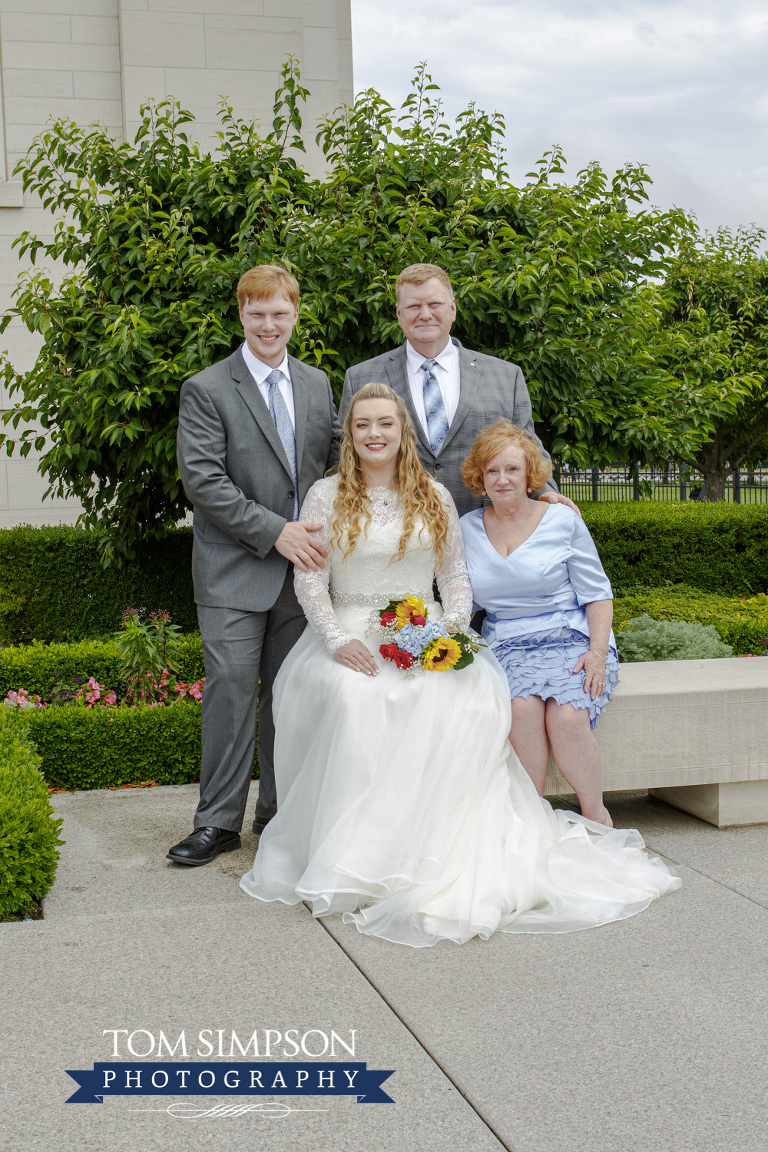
(407, 608)
(442, 654)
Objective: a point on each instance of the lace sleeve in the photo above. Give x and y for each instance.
(452, 577)
(312, 587)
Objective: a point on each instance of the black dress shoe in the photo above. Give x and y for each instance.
(260, 823)
(204, 845)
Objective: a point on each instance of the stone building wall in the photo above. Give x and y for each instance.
(99, 60)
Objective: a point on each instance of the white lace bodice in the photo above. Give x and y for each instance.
(367, 578)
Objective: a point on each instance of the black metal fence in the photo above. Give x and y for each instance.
(627, 482)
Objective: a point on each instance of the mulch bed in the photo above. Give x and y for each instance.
(114, 788)
(33, 912)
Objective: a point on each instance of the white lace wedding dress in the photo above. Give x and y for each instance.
(401, 803)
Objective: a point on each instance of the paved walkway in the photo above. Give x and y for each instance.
(641, 1036)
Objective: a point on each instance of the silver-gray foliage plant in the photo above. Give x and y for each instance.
(647, 639)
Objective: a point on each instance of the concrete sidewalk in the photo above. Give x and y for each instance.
(642, 1035)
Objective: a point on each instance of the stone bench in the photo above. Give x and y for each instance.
(693, 732)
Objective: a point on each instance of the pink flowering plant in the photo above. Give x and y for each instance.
(148, 647)
(22, 699)
(194, 690)
(93, 693)
(145, 689)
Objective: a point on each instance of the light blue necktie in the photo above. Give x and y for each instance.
(437, 421)
(278, 410)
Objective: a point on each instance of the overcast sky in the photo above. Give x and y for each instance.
(680, 85)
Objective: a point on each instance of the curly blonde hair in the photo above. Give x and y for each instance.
(491, 440)
(415, 487)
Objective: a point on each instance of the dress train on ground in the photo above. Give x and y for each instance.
(402, 806)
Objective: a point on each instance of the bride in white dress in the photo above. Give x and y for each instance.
(401, 804)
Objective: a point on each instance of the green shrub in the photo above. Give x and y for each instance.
(29, 833)
(720, 548)
(148, 646)
(53, 587)
(741, 622)
(647, 639)
(105, 747)
(32, 666)
(189, 657)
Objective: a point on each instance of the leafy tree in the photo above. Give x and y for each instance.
(149, 300)
(559, 277)
(716, 345)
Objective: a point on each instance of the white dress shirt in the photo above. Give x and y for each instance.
(259, 370)
(448, 375)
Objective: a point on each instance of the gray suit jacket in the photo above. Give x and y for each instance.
(489, 388)
(236, 474)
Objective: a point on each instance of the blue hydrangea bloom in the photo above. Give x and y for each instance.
(414, 638)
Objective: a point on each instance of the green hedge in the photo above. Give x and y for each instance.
(105, 747)
(32, 666)
(720, 548)
(53, 588)
(52, 585)
(741, 622)
(29, 832)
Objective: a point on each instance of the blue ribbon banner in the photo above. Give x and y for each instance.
(287, 1078)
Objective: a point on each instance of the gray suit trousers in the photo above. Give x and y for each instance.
(240, 649)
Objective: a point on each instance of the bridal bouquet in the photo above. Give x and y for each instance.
(415, 643)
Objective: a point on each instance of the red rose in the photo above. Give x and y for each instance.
(419, 621)
(388, 617)
(393, 653)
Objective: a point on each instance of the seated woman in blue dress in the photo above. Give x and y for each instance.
(535, 570)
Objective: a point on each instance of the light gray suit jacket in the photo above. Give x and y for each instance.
(236, 474)
(489, 388)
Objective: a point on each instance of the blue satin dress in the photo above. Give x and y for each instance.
(536, 623)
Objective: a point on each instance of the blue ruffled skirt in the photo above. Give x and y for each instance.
(541, 666)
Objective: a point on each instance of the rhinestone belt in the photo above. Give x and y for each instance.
(371, 600)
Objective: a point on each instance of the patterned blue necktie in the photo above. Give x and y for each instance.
(278, 410)
(437, 421)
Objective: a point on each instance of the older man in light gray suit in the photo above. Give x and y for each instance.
(450, 392)
(255, 432)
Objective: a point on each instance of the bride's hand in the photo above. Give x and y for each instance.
(355, 655)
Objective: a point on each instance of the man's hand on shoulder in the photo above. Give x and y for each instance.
(298, 544)
(558, 498)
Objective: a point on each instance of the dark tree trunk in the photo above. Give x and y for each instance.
(714, 468)
(714, 485)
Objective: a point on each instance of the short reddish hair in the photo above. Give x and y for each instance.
(493, 439)
(264, 281)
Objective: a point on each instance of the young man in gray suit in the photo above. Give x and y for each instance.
(255, 432)
(450, 392)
